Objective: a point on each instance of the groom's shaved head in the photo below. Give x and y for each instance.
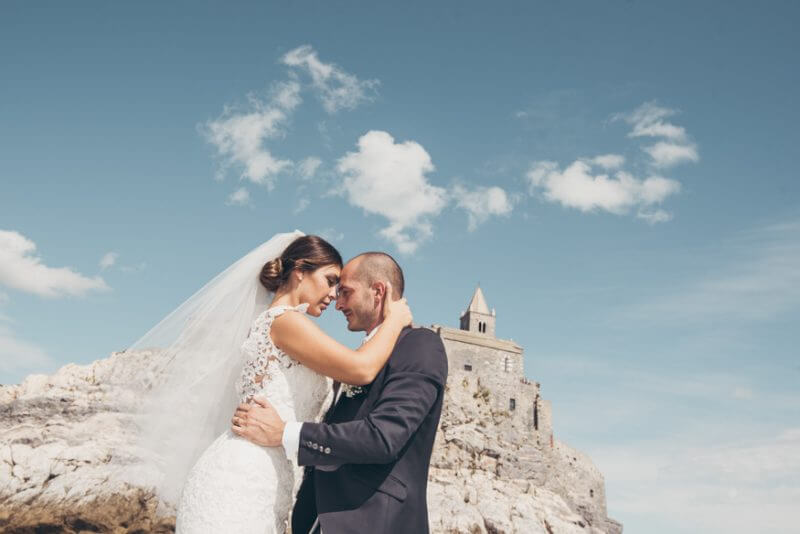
(373, 267)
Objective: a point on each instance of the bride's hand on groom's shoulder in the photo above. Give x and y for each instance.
(397, 310)
(258, 422)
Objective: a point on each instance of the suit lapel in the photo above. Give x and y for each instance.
(377, 385)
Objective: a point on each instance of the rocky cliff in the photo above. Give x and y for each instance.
(67, 462)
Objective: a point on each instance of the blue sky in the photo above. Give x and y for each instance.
(618, 176)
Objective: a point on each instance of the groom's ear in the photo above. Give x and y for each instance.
(380, 290)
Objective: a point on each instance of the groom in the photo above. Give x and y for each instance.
(367, 462)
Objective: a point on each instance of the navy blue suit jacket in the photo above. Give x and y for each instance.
(380, 444)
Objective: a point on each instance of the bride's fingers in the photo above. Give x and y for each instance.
(389, 290)
(261, 402)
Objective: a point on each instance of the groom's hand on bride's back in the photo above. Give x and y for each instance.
(258, 422)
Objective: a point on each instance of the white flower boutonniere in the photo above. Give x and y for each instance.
(353, 391)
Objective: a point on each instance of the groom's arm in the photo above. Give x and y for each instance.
(416, 377)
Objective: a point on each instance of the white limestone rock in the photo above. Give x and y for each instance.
(67, 460)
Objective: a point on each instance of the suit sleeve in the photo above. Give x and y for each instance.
(415, 378)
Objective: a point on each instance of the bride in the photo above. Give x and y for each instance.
(210, 361)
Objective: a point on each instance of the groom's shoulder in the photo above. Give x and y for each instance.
(420, 349)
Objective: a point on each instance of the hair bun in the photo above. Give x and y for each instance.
(272, 274)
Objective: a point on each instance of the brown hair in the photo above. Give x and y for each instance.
(307, 253)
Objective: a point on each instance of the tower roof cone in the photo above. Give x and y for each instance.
(478, 303)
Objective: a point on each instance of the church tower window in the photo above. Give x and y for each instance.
(512, 404)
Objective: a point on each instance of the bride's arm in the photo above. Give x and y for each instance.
(304, 341)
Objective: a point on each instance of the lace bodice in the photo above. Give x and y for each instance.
(263, 358)
(236, 485)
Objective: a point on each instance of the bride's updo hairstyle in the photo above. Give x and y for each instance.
(306, 253)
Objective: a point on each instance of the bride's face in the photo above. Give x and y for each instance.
(318, 288)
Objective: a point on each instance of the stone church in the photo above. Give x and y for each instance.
(497, 432)
(474, 349)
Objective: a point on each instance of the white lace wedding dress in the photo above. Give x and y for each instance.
(237, 486)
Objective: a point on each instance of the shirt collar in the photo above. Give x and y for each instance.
(371, 334)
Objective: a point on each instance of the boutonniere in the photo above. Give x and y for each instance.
(353, 391)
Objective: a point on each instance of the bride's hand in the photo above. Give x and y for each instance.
(396, 310)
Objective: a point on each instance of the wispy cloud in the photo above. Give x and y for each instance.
(331, 234)
(481, 203)
(240, 197)
(743, 486)
(308, 167)
(648, 120)
(22, 269)
(18, 356)
(759, 280)
(389, 179)
(139, 267)
(108, 260)
(302, 204)
(336, 88)
(240, 136)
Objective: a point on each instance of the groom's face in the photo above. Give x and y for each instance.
(356, 300)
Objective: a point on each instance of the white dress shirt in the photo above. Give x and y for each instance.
(291, 432)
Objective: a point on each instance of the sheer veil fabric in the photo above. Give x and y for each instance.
(197, 359)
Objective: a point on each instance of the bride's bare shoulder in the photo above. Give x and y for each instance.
(290, 324)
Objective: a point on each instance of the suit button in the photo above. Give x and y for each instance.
(315, 446)
(327, 450)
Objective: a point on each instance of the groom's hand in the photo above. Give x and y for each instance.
(259, 423)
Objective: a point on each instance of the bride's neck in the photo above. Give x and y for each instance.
(285, 298)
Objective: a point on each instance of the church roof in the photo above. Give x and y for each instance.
(478, 303)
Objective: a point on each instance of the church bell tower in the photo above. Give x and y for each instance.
(477, 318)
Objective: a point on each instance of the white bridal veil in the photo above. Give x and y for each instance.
(196, 360)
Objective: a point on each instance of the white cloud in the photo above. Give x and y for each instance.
(608, 161)
(336, 88)
(481, 203)
(743, 393)
(239, 137)
(578, 187)
(308, 167)
(667, 154)
(655, 216)
(21, 269)
(302, 204)
(108, 260)
(240, 197)
(648, 121)
(389, 179)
